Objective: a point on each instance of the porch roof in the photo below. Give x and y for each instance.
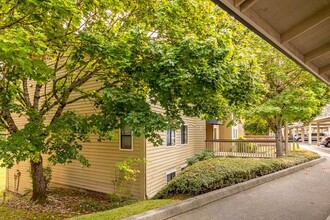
(298, 28)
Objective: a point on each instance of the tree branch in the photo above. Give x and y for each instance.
(37, 96)
(63, 101)
(13, 22)
(11, 126)
(26, 92)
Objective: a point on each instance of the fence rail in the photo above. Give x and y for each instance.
(243, 148)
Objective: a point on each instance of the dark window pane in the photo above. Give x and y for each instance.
(184, 134)
(170, 176)
(126, 142)
(126, 138)
(170, 137)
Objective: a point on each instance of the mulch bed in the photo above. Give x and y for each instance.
(64, 202)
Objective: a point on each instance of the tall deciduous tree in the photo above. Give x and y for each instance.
(178, 54)
(290, 93)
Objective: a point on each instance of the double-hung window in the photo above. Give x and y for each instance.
(126, 142)
(184, 134)
(170, 176)
(170, 138)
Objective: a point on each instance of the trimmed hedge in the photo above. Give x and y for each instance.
(205, 155)
(217, 173)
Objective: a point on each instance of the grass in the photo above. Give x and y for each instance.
(11, 213)
(127, 211)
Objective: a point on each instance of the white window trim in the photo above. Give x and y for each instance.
(183, 166)
(171, 146)
(187, 135)
(234, 132)
(132, 138)
(169, 172)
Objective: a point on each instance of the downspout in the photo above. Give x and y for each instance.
(145, 167)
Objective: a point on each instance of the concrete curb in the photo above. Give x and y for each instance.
(201, 200)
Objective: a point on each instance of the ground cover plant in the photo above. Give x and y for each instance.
(194, 180)
(218, 173)
(205, 155)
(65, 203)
(61, 203)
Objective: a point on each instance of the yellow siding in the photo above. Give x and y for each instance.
(225, 132)
(241, 132)
(165, 158)
(199, 135)
(24, 181)
(209, 132)
(102, 156)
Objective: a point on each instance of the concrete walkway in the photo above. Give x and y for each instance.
(304, 195)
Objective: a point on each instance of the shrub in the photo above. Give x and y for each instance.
(245, 147)
(125, 173)
(92, 205)
(113, 197)
(205, 155)
(217, 173)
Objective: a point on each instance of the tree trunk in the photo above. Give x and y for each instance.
(38, 181)
(278, 136)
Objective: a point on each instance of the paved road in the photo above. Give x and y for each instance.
(304, 195)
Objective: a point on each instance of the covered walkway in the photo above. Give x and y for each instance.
(298, 28)
(315, 131)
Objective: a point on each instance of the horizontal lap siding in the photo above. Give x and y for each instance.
(162, 158)
(200, 135)
(24, 179)
(102, 156)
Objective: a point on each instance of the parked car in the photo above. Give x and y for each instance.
(325, 141)
(314, 137)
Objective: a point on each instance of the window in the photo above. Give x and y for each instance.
(184, 134)
(170, 138)
(215, 133)
(234, 132)
(170, 176)
(126, 139)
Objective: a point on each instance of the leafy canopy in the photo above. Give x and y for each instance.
(181, 55)
(290, 94)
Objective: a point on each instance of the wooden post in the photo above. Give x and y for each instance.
(303, 134)
(297, 130)
(318, 134)
(287, 147)
(310, 134)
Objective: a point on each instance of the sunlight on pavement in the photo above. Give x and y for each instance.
(322, 151)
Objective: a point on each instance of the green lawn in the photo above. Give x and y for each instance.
(11, 213)
(127, 211)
